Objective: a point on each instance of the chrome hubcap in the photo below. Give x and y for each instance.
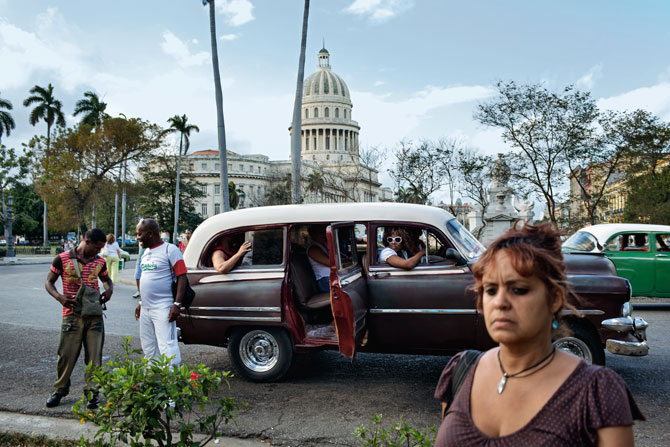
(574, 346)
(259, 351)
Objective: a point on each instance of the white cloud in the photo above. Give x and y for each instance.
(655, 99)
(236, 12)
(176, 48)
(590, 77)
(379, 11)
(41, 51)
(228, 37)
(379, 83)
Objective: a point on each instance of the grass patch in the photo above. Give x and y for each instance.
(19, 440)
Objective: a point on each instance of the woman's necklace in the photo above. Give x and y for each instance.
(503, 381)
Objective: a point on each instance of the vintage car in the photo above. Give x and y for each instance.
(269, 306)
(640, 253)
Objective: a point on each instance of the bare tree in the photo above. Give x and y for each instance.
(474, 172)
(544, 127)
(371, 159)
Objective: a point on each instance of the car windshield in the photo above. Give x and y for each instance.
(466, 242)
(582, 241)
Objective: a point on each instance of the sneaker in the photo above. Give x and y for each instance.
(136, 295)
(54, 400)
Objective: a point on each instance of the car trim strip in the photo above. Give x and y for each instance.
(242, 276)
(349, 279)
(239, 309)
(425, 311)
(418, 272)
(207, 317)
(239, 270)
(583, 312)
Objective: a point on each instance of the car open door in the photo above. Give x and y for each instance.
(348, 298)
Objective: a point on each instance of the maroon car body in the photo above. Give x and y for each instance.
(268, 306)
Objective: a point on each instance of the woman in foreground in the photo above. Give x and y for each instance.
(525, 392)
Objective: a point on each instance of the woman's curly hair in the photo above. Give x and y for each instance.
(532, 250)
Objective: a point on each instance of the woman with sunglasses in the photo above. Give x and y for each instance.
(396, 240)
(525, 392)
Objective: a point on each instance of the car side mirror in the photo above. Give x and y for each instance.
(453, 255)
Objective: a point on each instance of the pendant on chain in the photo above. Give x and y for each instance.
(502, 383)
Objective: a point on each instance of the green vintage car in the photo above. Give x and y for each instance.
(640, 252)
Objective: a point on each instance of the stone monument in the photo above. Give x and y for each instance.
(502, 212)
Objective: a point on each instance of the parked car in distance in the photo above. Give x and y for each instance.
(269, 305)
(640, 253)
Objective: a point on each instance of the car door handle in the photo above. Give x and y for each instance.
(381, 274)
(661, 256)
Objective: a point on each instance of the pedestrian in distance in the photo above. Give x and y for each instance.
(525, 392)
(112, 254)
(183, 244)
(158, 311)
(79, 266)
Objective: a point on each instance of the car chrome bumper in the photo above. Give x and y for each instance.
(627, 347)
(636, 328)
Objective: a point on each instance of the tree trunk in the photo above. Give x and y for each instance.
(223, 156)
(123, 208)
(176, 197)
(296, 127)
(45, 231)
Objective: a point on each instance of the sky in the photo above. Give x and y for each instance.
(416, 69)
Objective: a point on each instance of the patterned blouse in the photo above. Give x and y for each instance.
(592, 397)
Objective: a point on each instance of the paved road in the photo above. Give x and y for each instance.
(321, 401)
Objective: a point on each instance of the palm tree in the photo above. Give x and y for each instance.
(92, 108)
(48, 109)
(6, 120)
(180, 124)
(315, 182)
(221, 127)
(297, 115)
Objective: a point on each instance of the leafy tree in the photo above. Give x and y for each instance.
(419, 170)
(180, 124)
(544, 128)
(158, 199)
(279, 191)
(92, 108)
(297, 111)
(646, 138)
(13, 168)
(6, 120)
(234, 195)
(474, 170)
(28, 211)
(79, 160)
(649, 198)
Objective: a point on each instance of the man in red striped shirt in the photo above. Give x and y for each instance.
(77, 330)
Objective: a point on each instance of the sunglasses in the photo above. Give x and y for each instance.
(396, 239)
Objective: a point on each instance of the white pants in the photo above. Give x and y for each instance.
(158, 335)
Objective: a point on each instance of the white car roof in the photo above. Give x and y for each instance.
(330, 212)
(603, 232)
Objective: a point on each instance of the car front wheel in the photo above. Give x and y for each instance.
(583, 343)
(261, 355)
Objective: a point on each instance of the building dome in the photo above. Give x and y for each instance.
(324, 85)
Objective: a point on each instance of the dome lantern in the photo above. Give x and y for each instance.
(324, 57)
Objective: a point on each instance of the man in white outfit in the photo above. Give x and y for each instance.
(158, 310)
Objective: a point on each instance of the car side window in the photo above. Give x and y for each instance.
(628, 242)
(415, 239)
(267, 248)
(345, 241)
(663, 242)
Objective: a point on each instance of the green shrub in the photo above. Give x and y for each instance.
(150, 402)
(400, 434)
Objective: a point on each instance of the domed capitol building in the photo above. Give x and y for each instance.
(331, 170)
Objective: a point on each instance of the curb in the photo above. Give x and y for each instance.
(56, 428)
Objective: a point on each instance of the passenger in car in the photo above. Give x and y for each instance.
(640, 243)
(317, 254)
(660, 244)
(229, 252)
(395, 253)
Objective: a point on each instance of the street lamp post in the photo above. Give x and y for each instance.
(10, 238)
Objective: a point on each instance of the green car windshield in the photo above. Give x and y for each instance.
(582, 241)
